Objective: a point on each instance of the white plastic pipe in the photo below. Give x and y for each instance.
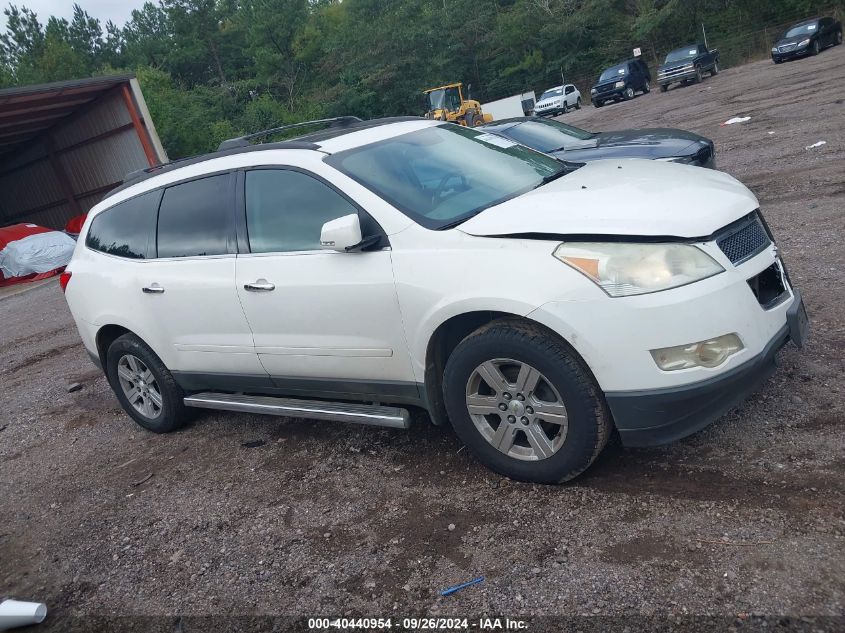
(15, 613)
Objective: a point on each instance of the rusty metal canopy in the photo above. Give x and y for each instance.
(28, 111)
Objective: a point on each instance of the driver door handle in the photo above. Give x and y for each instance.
(260, 285)
(152, 289)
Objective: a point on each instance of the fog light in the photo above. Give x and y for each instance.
(710, 353)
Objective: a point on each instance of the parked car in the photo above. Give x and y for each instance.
(558, 100)
(571, 143)
(807, 38)
(536, 305)
(621, 81)
(688, 65)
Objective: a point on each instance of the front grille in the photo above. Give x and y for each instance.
(786, 47)
(744, 239)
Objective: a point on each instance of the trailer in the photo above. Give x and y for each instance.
(513, 106)
(64, 145)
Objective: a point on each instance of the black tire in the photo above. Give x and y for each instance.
(598, 104)
(837, 40)
(664, 87)
(646, 88)
(698, 77)
(472, 120)
(628, 94)
(814, 49)
(578, 104)
(777, 61)
(173, 413)
(589, 424)
(715, 70)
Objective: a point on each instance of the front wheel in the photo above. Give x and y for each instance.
(838, 39)
(715, 70)
(523, 404)
(646, 88)
(144, 386)
(664, 87)
(698, 76)
(629, 93)
(814, 50)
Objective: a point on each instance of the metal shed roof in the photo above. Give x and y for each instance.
(27, 111)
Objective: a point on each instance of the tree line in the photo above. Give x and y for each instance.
(212, 69)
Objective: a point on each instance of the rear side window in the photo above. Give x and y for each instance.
(195, 218)
(286, 210)
(127, 228)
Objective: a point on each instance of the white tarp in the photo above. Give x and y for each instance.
(39, 253)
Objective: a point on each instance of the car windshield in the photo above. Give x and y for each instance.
(547, 136)
(614, 72)
(553, 92)
(681, 54)
(802, 29)
(441, 176)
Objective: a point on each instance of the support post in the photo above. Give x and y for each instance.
(140, 130)
(61, 176)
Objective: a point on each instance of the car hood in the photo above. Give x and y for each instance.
(628, 197)
(648, 143)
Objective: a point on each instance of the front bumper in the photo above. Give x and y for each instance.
(660, 416)
(616, 93)
(793, 54)
(665, 80)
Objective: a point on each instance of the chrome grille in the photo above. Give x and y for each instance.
(786, 47)
(744, 239)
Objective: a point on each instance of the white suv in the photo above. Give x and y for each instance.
(558, 100)
(536, 305)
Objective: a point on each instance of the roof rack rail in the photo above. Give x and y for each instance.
(244, 141)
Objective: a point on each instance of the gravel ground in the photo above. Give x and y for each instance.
(103, 520)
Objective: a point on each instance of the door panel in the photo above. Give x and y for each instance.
(199, 315)
(331, 315)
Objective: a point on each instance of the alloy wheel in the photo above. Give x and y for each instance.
(516, 409)
(139, 386)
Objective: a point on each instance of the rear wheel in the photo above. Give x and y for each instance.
(143, 385)
(523, 403)
(578, 104)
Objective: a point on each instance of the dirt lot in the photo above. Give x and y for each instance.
(745, 518)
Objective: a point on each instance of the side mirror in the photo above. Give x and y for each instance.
(341, 234)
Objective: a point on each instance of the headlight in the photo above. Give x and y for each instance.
(619, 84)
(592, 91)
(774, 49)
(803, 43)
(677, 159)
(625, 269)
(709, 353)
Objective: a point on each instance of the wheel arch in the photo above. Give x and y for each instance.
(456, 328)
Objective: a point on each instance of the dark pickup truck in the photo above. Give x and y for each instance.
(687, 64)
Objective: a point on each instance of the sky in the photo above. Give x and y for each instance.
(118, 11)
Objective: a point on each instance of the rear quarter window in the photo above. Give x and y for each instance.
(126, 229)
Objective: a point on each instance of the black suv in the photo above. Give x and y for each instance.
(621, 82)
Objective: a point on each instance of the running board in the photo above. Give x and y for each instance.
(376, 415)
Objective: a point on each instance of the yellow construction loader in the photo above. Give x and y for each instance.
(447, 103)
